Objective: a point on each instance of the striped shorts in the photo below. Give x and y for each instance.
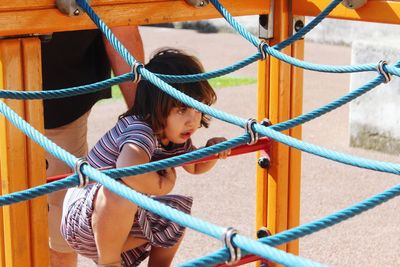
(76, 227)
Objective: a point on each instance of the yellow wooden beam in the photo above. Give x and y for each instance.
(279, 99)
(41, 16)
(373, 11)
(296, 107)
(279, 110)
(13, 163)
(35, 154)
(262, 174)
(22, 163)
(2, 148)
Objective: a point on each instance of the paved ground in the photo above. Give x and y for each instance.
(226, 195)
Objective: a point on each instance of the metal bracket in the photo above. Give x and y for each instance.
(354, 4)
(198, 3)
(298, 23)
(266, 23)
(70, 7)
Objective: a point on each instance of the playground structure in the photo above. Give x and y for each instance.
(21, 64)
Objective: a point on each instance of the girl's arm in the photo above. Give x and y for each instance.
(202, 167)
(148, 183)
(130, 37)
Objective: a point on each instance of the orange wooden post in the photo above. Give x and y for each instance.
(35, 154)
(296, 108)
(280, 98)
(262, 174)
(2, 257)
(389, 11)
(22, 162)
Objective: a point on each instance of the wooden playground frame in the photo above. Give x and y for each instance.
(23, 226)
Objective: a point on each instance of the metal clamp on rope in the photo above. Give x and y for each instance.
(382, 71)
(135, 71)
(70, 7)
(234, 252)
(83, 179)
(198, 3)
(261, 49)
(249, 129)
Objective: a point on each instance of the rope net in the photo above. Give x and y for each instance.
(264, 247)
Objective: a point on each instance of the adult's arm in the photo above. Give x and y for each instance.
(130, 37)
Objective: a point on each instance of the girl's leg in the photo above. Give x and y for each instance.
(162, 257)
(112, 220)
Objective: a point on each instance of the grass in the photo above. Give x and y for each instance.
(216, 83)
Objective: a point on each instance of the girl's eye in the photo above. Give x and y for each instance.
(182, 110)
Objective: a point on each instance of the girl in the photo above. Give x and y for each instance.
(112, 230)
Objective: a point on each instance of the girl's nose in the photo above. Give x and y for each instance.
(193, 117)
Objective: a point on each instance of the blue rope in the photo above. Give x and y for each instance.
(38, 191)
(146, 202)
(293, 61)
(12, 119)
(194, 223)
(60, 93)
(269, 132)
(209, 75)
(328, 107)
(88, 173)
(311, 25)
(306, 229)
(248, 245)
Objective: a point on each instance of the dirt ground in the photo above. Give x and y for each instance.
(225, 196)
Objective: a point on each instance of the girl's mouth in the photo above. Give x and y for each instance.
(186, 135)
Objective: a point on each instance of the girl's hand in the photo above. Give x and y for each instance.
(215, 140)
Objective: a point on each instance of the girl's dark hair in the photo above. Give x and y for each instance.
(153, 105)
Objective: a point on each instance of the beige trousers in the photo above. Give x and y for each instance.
(73, 138)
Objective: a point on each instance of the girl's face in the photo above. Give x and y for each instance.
(182, 123)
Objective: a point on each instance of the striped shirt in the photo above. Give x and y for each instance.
(76, 223)
(105, 153)
(132, 130)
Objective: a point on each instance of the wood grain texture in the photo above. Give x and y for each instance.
(41, 16)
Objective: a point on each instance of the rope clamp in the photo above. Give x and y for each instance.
(382, 71)
(249, 129)
(135, 71)
(83, 179)
(261, 49)
(234, 252)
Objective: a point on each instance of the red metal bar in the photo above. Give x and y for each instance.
(246, 259)
(262, 144)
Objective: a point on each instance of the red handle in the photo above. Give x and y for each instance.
(262, 144)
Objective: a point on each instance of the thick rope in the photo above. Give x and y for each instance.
(248, 245)
(293, 61)
(307, 28)
(306, 229)
(148, 203)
